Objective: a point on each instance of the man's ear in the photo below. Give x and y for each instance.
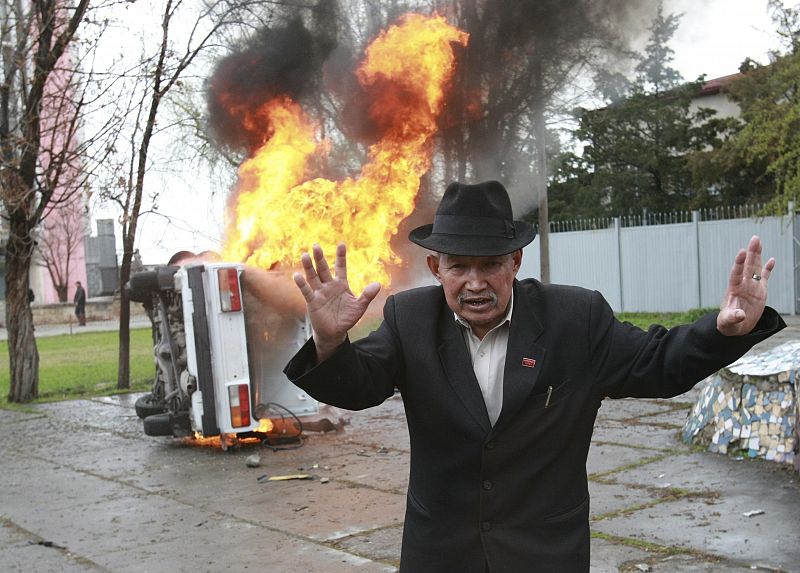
(517, 257)
(433, 265)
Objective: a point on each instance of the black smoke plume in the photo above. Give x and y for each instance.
(277, 61)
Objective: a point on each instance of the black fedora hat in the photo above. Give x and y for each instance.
(474, 220)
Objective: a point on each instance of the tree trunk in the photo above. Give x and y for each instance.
(124, 372)
(23, 356)
(61, 290)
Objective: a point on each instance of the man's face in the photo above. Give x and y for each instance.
(478, 289)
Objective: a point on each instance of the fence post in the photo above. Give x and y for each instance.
(696, 224)
(618, 236)
(795, 256)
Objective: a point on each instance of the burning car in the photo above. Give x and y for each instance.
(220, 353)
(220, 348)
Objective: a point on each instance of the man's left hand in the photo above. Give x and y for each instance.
(746, 294)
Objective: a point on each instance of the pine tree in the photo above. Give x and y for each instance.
(638, 151)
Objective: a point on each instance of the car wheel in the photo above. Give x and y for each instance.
(149, 405)
(144, 284)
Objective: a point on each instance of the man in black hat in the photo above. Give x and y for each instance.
(501, 381)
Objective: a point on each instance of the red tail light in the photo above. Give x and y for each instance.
(239, 397)
(230, 297)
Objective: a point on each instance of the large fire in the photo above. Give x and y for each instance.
(280, 212)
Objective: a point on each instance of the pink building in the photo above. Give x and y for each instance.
(60, 259)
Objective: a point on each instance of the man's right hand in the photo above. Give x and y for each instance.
(332, 307)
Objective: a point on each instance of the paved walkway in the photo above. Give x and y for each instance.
(73, 328)
(85, 490)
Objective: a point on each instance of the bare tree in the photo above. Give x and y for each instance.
(45, 158)
(62, 233)
(787, 20)
(186, 32)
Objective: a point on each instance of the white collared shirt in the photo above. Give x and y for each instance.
(489, 360)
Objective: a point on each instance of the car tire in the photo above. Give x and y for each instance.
(149, 405)
(144, 284)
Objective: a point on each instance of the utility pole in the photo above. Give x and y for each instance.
(540, 175)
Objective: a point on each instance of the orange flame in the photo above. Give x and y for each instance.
(265, 426)
(279, 214)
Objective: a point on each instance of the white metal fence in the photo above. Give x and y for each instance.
(670, 267)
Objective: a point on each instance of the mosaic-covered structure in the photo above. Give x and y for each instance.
(751, 408)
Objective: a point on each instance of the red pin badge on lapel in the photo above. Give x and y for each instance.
(529, 362)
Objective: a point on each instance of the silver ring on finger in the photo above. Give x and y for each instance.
(756, 277)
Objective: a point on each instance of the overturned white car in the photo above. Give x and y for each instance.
(220, 348)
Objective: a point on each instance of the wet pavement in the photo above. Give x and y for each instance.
(83, 489)
(73, 328)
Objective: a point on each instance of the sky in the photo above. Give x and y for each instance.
(715, 36)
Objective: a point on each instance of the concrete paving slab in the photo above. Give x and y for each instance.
(713, 522)
(379, 545)
(628, 408)
(94, 414)
(10, 417)
(639, 434)
(107, 525)
(607, 499)
(231, 545)
(693, 564)
(674, 418)
(719, 528)
(702, 471)
(197, 479)
(385, 426)
(143, 463)
(109, 455)
(23, 552)
(608, 557)
(383, 470)
(321, 511)
(122, 400)
(604, 458)
(38, 487)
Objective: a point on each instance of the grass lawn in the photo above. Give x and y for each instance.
(82, 365)
(668, 319)
(641, 319)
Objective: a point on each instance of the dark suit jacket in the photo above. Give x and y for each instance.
(514, 495)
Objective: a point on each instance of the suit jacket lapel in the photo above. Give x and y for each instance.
(520, 374)
(457, 365)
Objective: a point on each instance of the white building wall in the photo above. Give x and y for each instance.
(719, 102)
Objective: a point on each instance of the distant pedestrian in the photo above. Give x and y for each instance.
(31, 298)
(80, 303)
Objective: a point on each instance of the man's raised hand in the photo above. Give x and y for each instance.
(746, 294)
(332, 307)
